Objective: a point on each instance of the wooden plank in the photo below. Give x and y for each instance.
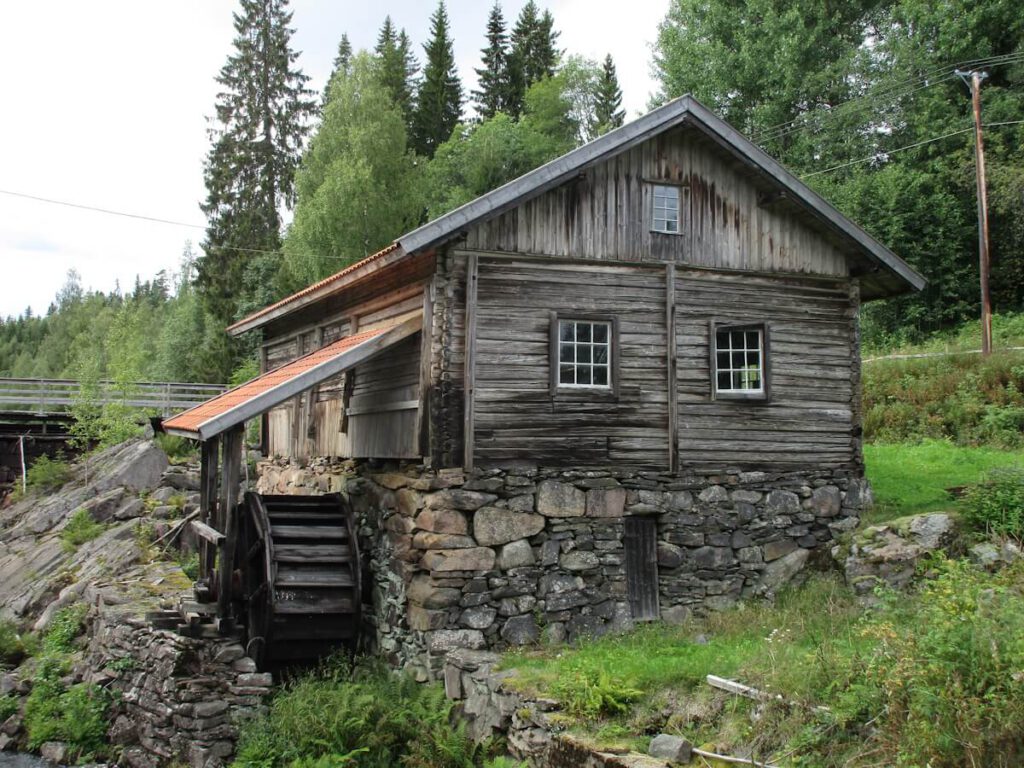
(472, 277)
(208, 472)
(426, 345)
(231, 477)
(670, 366)
(208, 534)
(309, 531)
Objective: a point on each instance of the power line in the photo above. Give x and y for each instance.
(884, 152)
(900, 89)
(99, 210)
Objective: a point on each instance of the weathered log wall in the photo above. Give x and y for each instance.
(725, 220)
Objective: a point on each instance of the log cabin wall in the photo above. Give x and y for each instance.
(741, 257)
(518, 415)
(726, 220)
(314, 424)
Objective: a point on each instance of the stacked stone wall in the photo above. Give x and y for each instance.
(508, 557)
(181, 699)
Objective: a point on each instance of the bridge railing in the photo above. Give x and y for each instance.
(55, 395)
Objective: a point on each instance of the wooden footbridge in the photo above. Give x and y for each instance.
(34, 413)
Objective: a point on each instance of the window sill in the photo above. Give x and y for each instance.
(746, 397)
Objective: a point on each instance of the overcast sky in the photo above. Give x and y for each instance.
(105, 105)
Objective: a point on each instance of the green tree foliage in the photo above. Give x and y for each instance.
(398, 67)
(358, 186)
(534, 54)
(439, 101)
(493, 76)
(826, 87)
(262, 117)
(608, 113)
(341, 64)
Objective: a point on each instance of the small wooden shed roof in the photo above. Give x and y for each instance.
(255, 397)
(891, 275)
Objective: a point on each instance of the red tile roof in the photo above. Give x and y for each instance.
(314, 287)
(192, 419)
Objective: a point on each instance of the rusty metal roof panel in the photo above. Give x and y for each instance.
(269, 390)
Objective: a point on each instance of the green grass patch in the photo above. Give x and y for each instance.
(75, 715)
(928, 678)
(913, 478)
(15, 647)
(8, 706)
(65, 626)
(367, 716)
(81, 528)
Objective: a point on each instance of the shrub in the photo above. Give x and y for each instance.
(12, 644)
(64, 627)
(949, 692)
(75, 715)
(81, 528)
(996, 505)
(48, 474)
(190, 565)
(178, 449)
(590, 693)
(366, 716)
(8, 706)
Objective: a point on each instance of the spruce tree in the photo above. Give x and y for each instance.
(534, 53)
(398, 66)
(608, 112)
(341, 64)
(439, 102)
(492, 95)
(262, 117)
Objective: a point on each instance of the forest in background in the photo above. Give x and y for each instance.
(859, 99)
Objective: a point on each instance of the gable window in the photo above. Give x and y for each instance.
(738, 361)
(665, 213)
(584, 352)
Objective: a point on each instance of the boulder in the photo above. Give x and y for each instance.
(675, 749)
(470, 559)
(425, 592)
(773, 550)
(493, 526)
(103, 507)
(454, 498)
(428, 540)
(669, 555)
(780, 572)
(932, 531)
(442, 641)
(516, 554)
(136, 466)
(714, 494)
(579, 560)
(55, 752)
(181, 479)
(480, 617)
(826, 501)
(782, 503)
(520, 630)
(606, 502)
(442, 521)
(557, 499)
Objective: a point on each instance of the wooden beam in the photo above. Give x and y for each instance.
(472, 272)
(207, 501)
(208, 534)
(670, 362)
(426, 345)
(232, 469)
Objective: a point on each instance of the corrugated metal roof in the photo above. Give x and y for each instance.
(195, 419)
(310, 289)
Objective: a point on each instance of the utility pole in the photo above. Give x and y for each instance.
(983, 256)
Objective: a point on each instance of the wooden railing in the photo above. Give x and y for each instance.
(42, 396)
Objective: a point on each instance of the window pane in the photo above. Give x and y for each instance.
(583, 375)
(723, 380)
(565, 353)
(582, 353)
(567, 374)
(670, 226)
(723, 359)
(583, 331)
(752, 340)
(601, 354)
(601, 376)
(737, 360)
(722, 340)
(601, 333)
(565, 330)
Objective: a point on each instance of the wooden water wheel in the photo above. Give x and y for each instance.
(298, 558)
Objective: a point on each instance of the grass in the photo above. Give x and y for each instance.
(910, 479)
(81, 528)
(1007, 331)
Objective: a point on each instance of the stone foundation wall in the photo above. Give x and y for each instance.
(182, 699)
(510, 557)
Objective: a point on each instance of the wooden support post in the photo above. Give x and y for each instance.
(472, 271)
(670, 362)
(264, 417)
(207, 503)
(230, 478)
(24, 468)
(426, 337)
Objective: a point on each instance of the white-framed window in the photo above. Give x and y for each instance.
(584, 349)
(739, 361)
(665, 208)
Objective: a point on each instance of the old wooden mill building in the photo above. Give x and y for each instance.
(623, 386)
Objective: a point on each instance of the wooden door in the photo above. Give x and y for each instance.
(641, 540)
